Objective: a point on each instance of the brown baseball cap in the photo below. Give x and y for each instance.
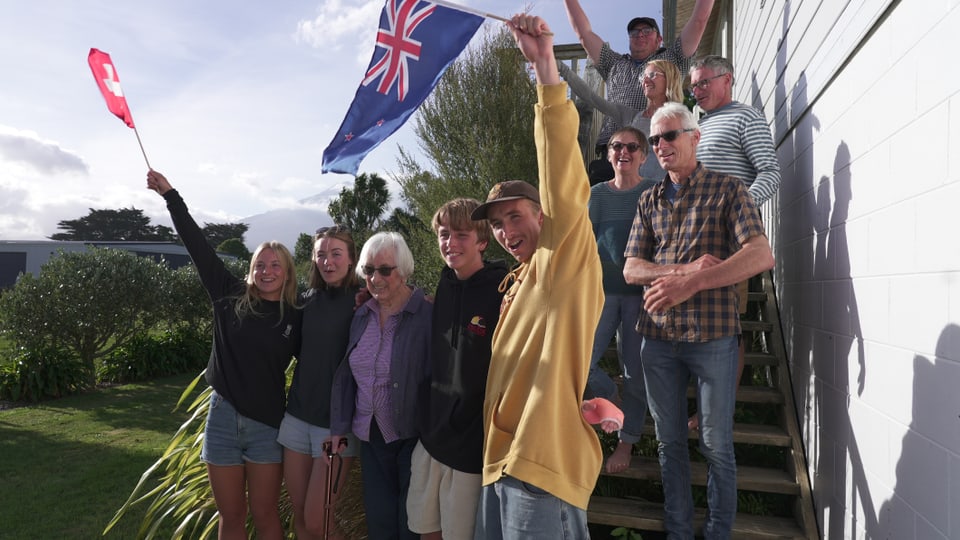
(646, 21)
(506, 191)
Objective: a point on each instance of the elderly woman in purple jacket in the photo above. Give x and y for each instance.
(375, 391)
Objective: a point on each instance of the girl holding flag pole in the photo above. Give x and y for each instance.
(256, 332)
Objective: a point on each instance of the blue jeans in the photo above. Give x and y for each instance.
(511, 509)
(385, 473)
(619, 316)
(230, 438)
(668, 367)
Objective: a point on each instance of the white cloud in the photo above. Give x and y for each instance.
(234, 102)
(46, 157)
(337, 22)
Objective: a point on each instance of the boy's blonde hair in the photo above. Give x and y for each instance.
(455, 214)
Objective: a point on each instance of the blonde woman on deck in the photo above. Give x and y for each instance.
(661, 82)
(256, 332)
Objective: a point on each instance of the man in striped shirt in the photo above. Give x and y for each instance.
(735, 140)
(735, 137)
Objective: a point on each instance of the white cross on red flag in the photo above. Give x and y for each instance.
(109, 82)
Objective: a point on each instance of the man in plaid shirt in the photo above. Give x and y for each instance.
(696, 234)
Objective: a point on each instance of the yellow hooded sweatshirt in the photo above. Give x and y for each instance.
(535, 431)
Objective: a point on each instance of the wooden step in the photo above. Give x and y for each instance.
(742, 434)
(748, 478)
(648, 516)
(756, 326)
(761, 359)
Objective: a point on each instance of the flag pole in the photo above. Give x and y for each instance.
(451, 5)
(137, 133)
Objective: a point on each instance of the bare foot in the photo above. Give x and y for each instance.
(693, 423)
(619, 460)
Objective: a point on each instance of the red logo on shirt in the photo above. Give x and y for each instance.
(477, 326)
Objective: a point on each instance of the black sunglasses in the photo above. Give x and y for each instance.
(669, 136)
(384, 271)
(632, 147)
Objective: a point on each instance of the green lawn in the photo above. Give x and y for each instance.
(67, 465)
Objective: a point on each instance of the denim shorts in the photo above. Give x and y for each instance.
(306, 438)
(233, 439)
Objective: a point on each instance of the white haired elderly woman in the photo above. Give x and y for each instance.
(375, 391)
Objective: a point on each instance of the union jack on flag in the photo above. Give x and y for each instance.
(416, 42)
(399, 45)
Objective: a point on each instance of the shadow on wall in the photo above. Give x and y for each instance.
(831, 350)
(919, 500)
(925, 471)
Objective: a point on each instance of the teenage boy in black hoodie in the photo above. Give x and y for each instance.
(445, 482)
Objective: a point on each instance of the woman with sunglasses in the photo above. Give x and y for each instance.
(612, 207)
(256, 332)
(308, 462)
(376, 388)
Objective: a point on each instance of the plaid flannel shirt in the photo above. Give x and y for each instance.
(712, 213)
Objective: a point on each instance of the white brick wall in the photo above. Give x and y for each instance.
(866, 112)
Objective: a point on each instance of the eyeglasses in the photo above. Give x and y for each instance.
(703, 84)
(384, 271)
(652, 76)
(618, 146)
(336, 229)
(637, 32)
(669, 136)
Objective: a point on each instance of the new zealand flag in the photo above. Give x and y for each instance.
(416, 42)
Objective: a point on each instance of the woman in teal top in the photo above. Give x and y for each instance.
(612, 207)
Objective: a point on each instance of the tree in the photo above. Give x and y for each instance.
(423, 244)
(360, 208)
(218, 233)
(472, 137)
(303, 249)
(126, 224)
(235, 247)
(86, 302)
(303, 259)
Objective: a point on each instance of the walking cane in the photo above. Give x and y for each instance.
(333, 477)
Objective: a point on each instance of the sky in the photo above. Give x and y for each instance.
(233, 101)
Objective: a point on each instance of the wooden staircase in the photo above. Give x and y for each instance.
(782, 479)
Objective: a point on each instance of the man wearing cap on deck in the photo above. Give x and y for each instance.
(541, 458)
(623, 72)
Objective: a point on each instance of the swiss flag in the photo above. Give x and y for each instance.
(109, 83)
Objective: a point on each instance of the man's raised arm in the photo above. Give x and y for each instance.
(591, 42)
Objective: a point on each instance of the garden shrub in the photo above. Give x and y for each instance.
(86, 302)
(171, 352)
(38, 373)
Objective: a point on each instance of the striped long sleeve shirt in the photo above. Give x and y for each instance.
(735, 140)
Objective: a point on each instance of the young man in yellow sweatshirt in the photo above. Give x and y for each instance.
(541, 458)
